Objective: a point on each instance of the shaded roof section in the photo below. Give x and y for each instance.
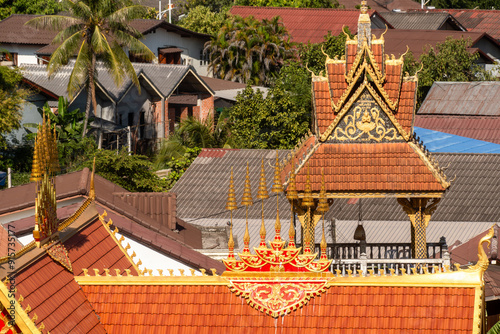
(464, 253)
(422, 21)
(477, 20)
(340, 308)
(162, 79)
(382, 5)
(203, 188)
(462, 99)
(146, 26)
(481, 128)
(307, 24)
(149, 224)
(13, 30)
(396, 40)
(436, 141)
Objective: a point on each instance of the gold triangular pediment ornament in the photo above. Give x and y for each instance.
(366, 98)
(365, 122)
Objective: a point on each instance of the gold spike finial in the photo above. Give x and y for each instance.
(231, 196)
(92, 188)
(277, 187)
(323, 201)
(231, 205)
(323, 244)
(292, 195)
(262, 195)
(36, 173)
(247, 193)
(308, 199)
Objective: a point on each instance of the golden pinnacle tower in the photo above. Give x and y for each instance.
(45, 165)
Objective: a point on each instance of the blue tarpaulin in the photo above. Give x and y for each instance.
(436, 141)
(3, 177)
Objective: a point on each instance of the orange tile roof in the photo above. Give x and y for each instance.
(53, 294)
(353, 168)
(213, 308)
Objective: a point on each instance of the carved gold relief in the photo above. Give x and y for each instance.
(277, 298)
(366, 123)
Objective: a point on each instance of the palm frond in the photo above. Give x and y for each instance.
(80, 72)
(62, 54)
(66, 33)
(135, 46)
(128, 13)
(52, 22)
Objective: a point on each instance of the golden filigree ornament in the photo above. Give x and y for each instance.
(278, 298)
(365, 123)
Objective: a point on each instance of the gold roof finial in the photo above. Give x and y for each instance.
(36, 173)
(323, 244)
(262, 195)
(231, 205)
(308, 200)
(247, 201)
(364, 7)
(277, 188)
(292, 195)
(92, 188)
(323, 201)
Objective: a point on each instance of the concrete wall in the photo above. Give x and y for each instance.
(488, 47)
(191, 47)
(136, 103)
(26, 53)
(29, 115)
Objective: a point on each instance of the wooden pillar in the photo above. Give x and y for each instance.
(420, 211)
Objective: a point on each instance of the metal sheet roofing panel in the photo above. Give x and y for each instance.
(436, 141)
(13, 30)
(472, 196)
(462, 98)
(416, 20)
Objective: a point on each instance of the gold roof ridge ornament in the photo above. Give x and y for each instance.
(277, 189)
(292, 195)
(92, 187)
(246, 200)
(262, 195)
(231, 205)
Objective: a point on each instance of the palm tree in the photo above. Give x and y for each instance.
(96, 30)
(249, 51)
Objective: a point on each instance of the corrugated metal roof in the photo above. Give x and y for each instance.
(479, 98)
(382, 5)
(420, 20)
(486, 128)
(165, 78)
(306, 24)
(396, 40)
(202, 190)
(436, 141)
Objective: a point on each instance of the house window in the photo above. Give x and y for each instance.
(203, 58)
(8, 58)
(169, 55)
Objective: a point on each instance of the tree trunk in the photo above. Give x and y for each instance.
(87, 112)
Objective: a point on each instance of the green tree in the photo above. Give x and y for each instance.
(11, 101)
(216, 6)
(193, 133)
(201, 19)
(447, 61)
(313, 55)
(290, 3)
(43, 7)
(249, 51)
(280, 119)
(95, 30)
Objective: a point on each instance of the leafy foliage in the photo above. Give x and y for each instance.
(464, 4)
(95, 30)
(11, 100)
(192, 134)
(290, 3)
(44, 7)
(216, 6)
(180, 165)
(448, 61)
(201, 19)
(132, 172)
(277, 121)
(495, 329)
(249, 51)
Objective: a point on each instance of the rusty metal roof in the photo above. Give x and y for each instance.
(478, 98)
(421, 20)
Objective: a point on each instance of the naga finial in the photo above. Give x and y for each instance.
(483, 261)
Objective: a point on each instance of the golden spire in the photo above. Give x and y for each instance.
(36, 173)
(247, 201)
(308, 200)
(92, 189)
(292, 195)
(323, 243)
(262, 195)
(323, 206)
(45, 211)
(277, 188)
(231, 205)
